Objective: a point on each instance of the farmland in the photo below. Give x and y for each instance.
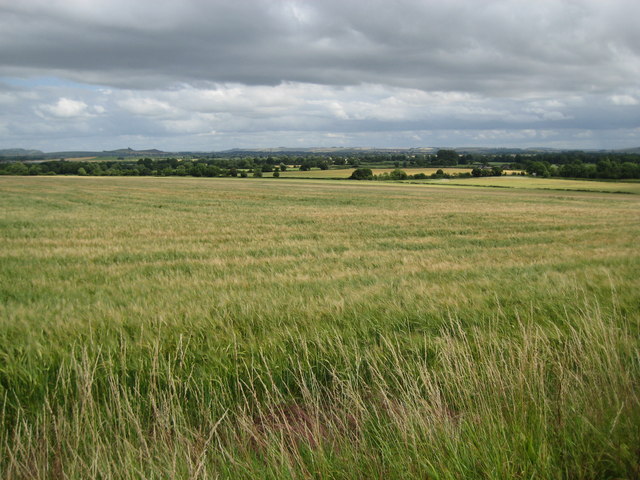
(534, 183)
(291, 328)
(346, 172)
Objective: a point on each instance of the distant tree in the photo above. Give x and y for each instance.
(487, 172)
(362, 174)
(17, 168)
(447, 157)
(35, 170)
(496, 171)
(147, 162)
(398, 174)
(276, 173)
(539, 169)
(465, 159)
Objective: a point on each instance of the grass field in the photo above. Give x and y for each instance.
(82, 159)
(527, 182)
(263, 328)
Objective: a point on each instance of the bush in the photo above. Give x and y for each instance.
(398, 174)
(362, 174)
(17, 169)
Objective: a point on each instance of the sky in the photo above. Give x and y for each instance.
(206, 75)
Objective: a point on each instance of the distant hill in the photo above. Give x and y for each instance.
(323, 150)
(22, 154)
(504, 151)
(629, 150)
(131, 152)
(12, 154)
(19, 152)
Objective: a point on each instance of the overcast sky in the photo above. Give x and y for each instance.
(213, 74)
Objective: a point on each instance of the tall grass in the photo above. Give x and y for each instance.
(191, 328)
(509, 400)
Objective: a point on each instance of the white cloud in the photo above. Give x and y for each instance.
(624, 100)
(144, 106)
(65, 108)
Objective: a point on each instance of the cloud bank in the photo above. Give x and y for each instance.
(214, 74)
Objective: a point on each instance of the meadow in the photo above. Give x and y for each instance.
(527, 182)
(275, 328)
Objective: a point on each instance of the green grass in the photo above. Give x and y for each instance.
(263, 328)
(527, 182)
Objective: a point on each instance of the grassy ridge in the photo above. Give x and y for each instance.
(546, 184)
(260, 329)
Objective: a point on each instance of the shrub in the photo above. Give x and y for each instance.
(362, 174)
(398, 174)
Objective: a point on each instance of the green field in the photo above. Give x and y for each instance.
(508, 181)
(274, 328)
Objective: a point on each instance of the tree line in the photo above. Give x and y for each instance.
(398, 174)
(595, 165)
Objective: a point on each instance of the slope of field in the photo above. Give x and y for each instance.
(262, 328)
(516, 181)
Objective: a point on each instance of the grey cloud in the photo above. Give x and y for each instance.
(503, 47)
(216, 74)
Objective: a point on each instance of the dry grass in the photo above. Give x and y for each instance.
(80, 159)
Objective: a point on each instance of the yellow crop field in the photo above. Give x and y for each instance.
(346, 173)
(80, 159)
